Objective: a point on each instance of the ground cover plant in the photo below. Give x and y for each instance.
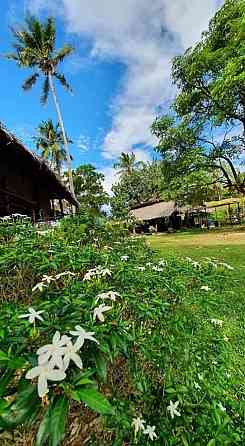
(104, 342)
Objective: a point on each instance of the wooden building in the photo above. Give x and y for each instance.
(161, 215)
(27, 184)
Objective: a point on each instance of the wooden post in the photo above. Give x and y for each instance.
(229, 211)
(61, 207)
(33, 216)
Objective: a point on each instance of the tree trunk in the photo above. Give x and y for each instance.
(68, 158)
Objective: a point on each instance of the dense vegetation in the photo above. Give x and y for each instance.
(172, 333)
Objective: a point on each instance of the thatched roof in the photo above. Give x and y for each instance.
(151, 211)
(16, 152)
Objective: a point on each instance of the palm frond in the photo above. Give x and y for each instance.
(62, 53)
(63, 81)
(30, 81)
(45, 91)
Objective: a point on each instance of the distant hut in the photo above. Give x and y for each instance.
(27, 184)
(160, 215)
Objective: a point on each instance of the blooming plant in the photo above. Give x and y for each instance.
(105, 339)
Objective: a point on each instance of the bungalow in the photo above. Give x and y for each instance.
(161, 215)
(27, 184)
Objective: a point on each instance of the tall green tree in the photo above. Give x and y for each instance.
(205, 131)
(211, 75)
(51, 144)
(89, 190)
(35, 48)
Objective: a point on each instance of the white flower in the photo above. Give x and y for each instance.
(109, 295)
(148, 264)
(222, 407)
(197, 386)
(82, 335)
(124, 258)
(226, 339)
(200, 376)
(104, 272)
(44, 373)
(39, 286)
(218, 322)
(54, 351)
(88, 276)
(205, 288)
(162, 262)
(225, 265)
(172, 408)
(140, 268)
(65, 273)
(138, 424)
(47, 279)
(70, 354)
(150, 430)
(98, 312)
(157, 268)
(32, 315)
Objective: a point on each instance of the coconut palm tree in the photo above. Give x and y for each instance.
(51, 144)
(126, 163)
(35, 48)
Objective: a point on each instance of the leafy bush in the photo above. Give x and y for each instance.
(130, 349)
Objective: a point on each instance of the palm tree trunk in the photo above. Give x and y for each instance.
(68, 158)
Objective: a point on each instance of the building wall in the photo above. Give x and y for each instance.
(14, 179)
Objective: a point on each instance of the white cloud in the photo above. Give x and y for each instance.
(144, 35)
(111, 177)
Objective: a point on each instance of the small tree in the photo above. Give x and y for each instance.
(51, 144)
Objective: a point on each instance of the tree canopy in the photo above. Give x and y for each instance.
(89, 190)
(205, 130)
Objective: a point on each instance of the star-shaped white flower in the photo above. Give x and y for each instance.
(39, 287)
(226, 265)
(162, 262)
(98, 312)
(48, 279)
(112, 295)
(103, 272)
(45, 373)
(221, 407)
(205, 288)
(83, 335)
(65, 273)
(138, 424)
(88, 276)
(140, 268)
(124, 258)
(157, 268)
(197, 386)
(218, 322)
(53, 352)
(172, 408)
(70, 354)
(150, 430)
(32, 315)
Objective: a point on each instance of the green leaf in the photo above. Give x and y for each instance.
(94, 400)
(3, 356)
(21, 409)
(44, 428)
(58, 420)
(5, 380)
(101, 367)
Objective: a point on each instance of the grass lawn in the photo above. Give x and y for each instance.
(225, 245)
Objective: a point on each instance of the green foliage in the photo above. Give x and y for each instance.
(51, 143)
(88, 185)
(35, 48)
(156, 341)
(204, 134)
(144, 182)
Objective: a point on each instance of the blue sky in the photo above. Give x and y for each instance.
(120, 71)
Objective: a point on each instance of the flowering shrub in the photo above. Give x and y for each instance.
(102, 343)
